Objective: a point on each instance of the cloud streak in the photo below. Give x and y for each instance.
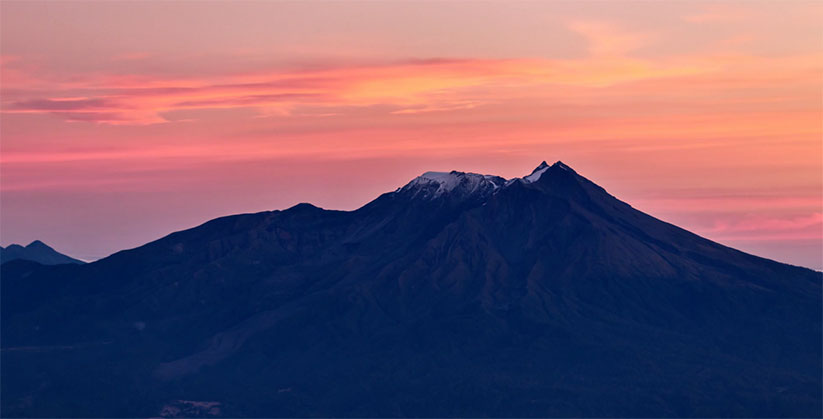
(431, 86)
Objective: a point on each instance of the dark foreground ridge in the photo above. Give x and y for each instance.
(456, 295)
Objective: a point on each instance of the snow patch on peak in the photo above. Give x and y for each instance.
(447, 180)
(542, 168)
(536, 173)
(534, 177)
(455, 182)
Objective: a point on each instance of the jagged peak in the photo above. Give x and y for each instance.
(559, 164)
(536, 173)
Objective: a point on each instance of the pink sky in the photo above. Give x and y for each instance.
(123, 121)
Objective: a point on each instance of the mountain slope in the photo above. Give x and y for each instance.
(456, 295)
(35, 251)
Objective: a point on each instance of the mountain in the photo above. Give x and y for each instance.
(458, 294)
(36, 251)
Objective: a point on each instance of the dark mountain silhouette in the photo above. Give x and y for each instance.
(456, 295)
(36, 251)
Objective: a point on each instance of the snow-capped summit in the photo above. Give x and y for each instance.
(435, 184)
(536, 173)
(463, 184)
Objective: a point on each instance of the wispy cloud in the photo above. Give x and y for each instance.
(63, 104)
(418, 86)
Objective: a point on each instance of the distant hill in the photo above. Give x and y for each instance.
(456, 295)
(36, 251)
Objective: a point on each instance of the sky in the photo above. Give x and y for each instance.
(122, 121)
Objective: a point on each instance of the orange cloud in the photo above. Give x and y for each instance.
(415, 86)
